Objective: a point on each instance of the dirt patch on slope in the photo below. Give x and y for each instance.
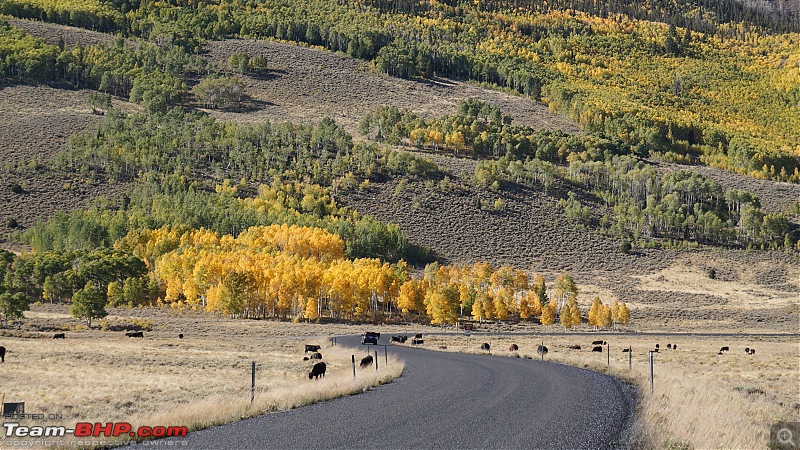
(305, 84)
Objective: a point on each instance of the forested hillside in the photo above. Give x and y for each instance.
(715, 82)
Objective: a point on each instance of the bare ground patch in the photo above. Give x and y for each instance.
(53, 33)
(306, 84)
(35, 123)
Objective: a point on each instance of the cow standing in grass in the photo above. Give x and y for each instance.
(317, 371)
(366, 361)
(2, 354)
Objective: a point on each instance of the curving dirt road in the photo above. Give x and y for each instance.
(448, 400)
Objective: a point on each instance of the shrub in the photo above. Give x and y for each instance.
(17, 189)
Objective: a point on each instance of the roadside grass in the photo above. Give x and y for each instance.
(199, 381)
(700, 399)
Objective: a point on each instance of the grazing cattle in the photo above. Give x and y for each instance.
(513, 348)
(311, 348)
(135, 334)
(597, 348)
(752, 351)
(418, 336)
(485, 346)
(574, 347)
(2, 354)
(541, 350)
(180, 336)
(657, 347)
(669, 346)
(317, 371)
(625, 350)
(366, 361)
(316, 355)
(598, 342)
(674, 346)
(747, 350)
(305, 358)
(724, 349)
(417, 342)
(59, 336)
(397, 339)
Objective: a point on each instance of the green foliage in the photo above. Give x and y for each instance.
(224, 92)
(88, 303)
(12, 306)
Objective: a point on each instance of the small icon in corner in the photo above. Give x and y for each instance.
(784, 435)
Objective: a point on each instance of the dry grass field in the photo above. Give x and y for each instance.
(198, 381)
(700, 398)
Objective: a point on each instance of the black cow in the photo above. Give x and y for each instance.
(574, 347)
(669, 346)
(305, 358)
(180, 336)
(311, 348)
(625, 350)
(2, 354)
(541, 350)
(513, 348)
(316, 355)
(135, 334)
(417, 341)
(485, 346)
(317, 371)
(59, 336)
(752, 351)
(418, 336)
(403, 339)
(400, 339)
(747, 350)
(597, 349)
(598, 342)
(366, 361)
(674, 346)
(657, 347)
(724, 349)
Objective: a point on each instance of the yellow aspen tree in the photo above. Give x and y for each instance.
(623, 315)
(525, 307)
(549, 314)
(575, 312)
(535, 303)
(605, 317)
(565, 317)
(312, 309)
(595, 312)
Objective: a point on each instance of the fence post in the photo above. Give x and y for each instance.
(630, 358)
(386, 355)
(651, 371)
(354, 366)
(376, 360)
(608, 353)
(253, 383)
(542, 347)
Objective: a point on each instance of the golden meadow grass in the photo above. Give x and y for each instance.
(700, 398)
(199, 381)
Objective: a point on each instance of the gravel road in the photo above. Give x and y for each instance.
(446, 401)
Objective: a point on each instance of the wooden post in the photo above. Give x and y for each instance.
(386, 355)
(354, 366)
(376, 360)
(651, 371)
(542, 351)
(253, 383)
(630, 358)
(608, 352)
